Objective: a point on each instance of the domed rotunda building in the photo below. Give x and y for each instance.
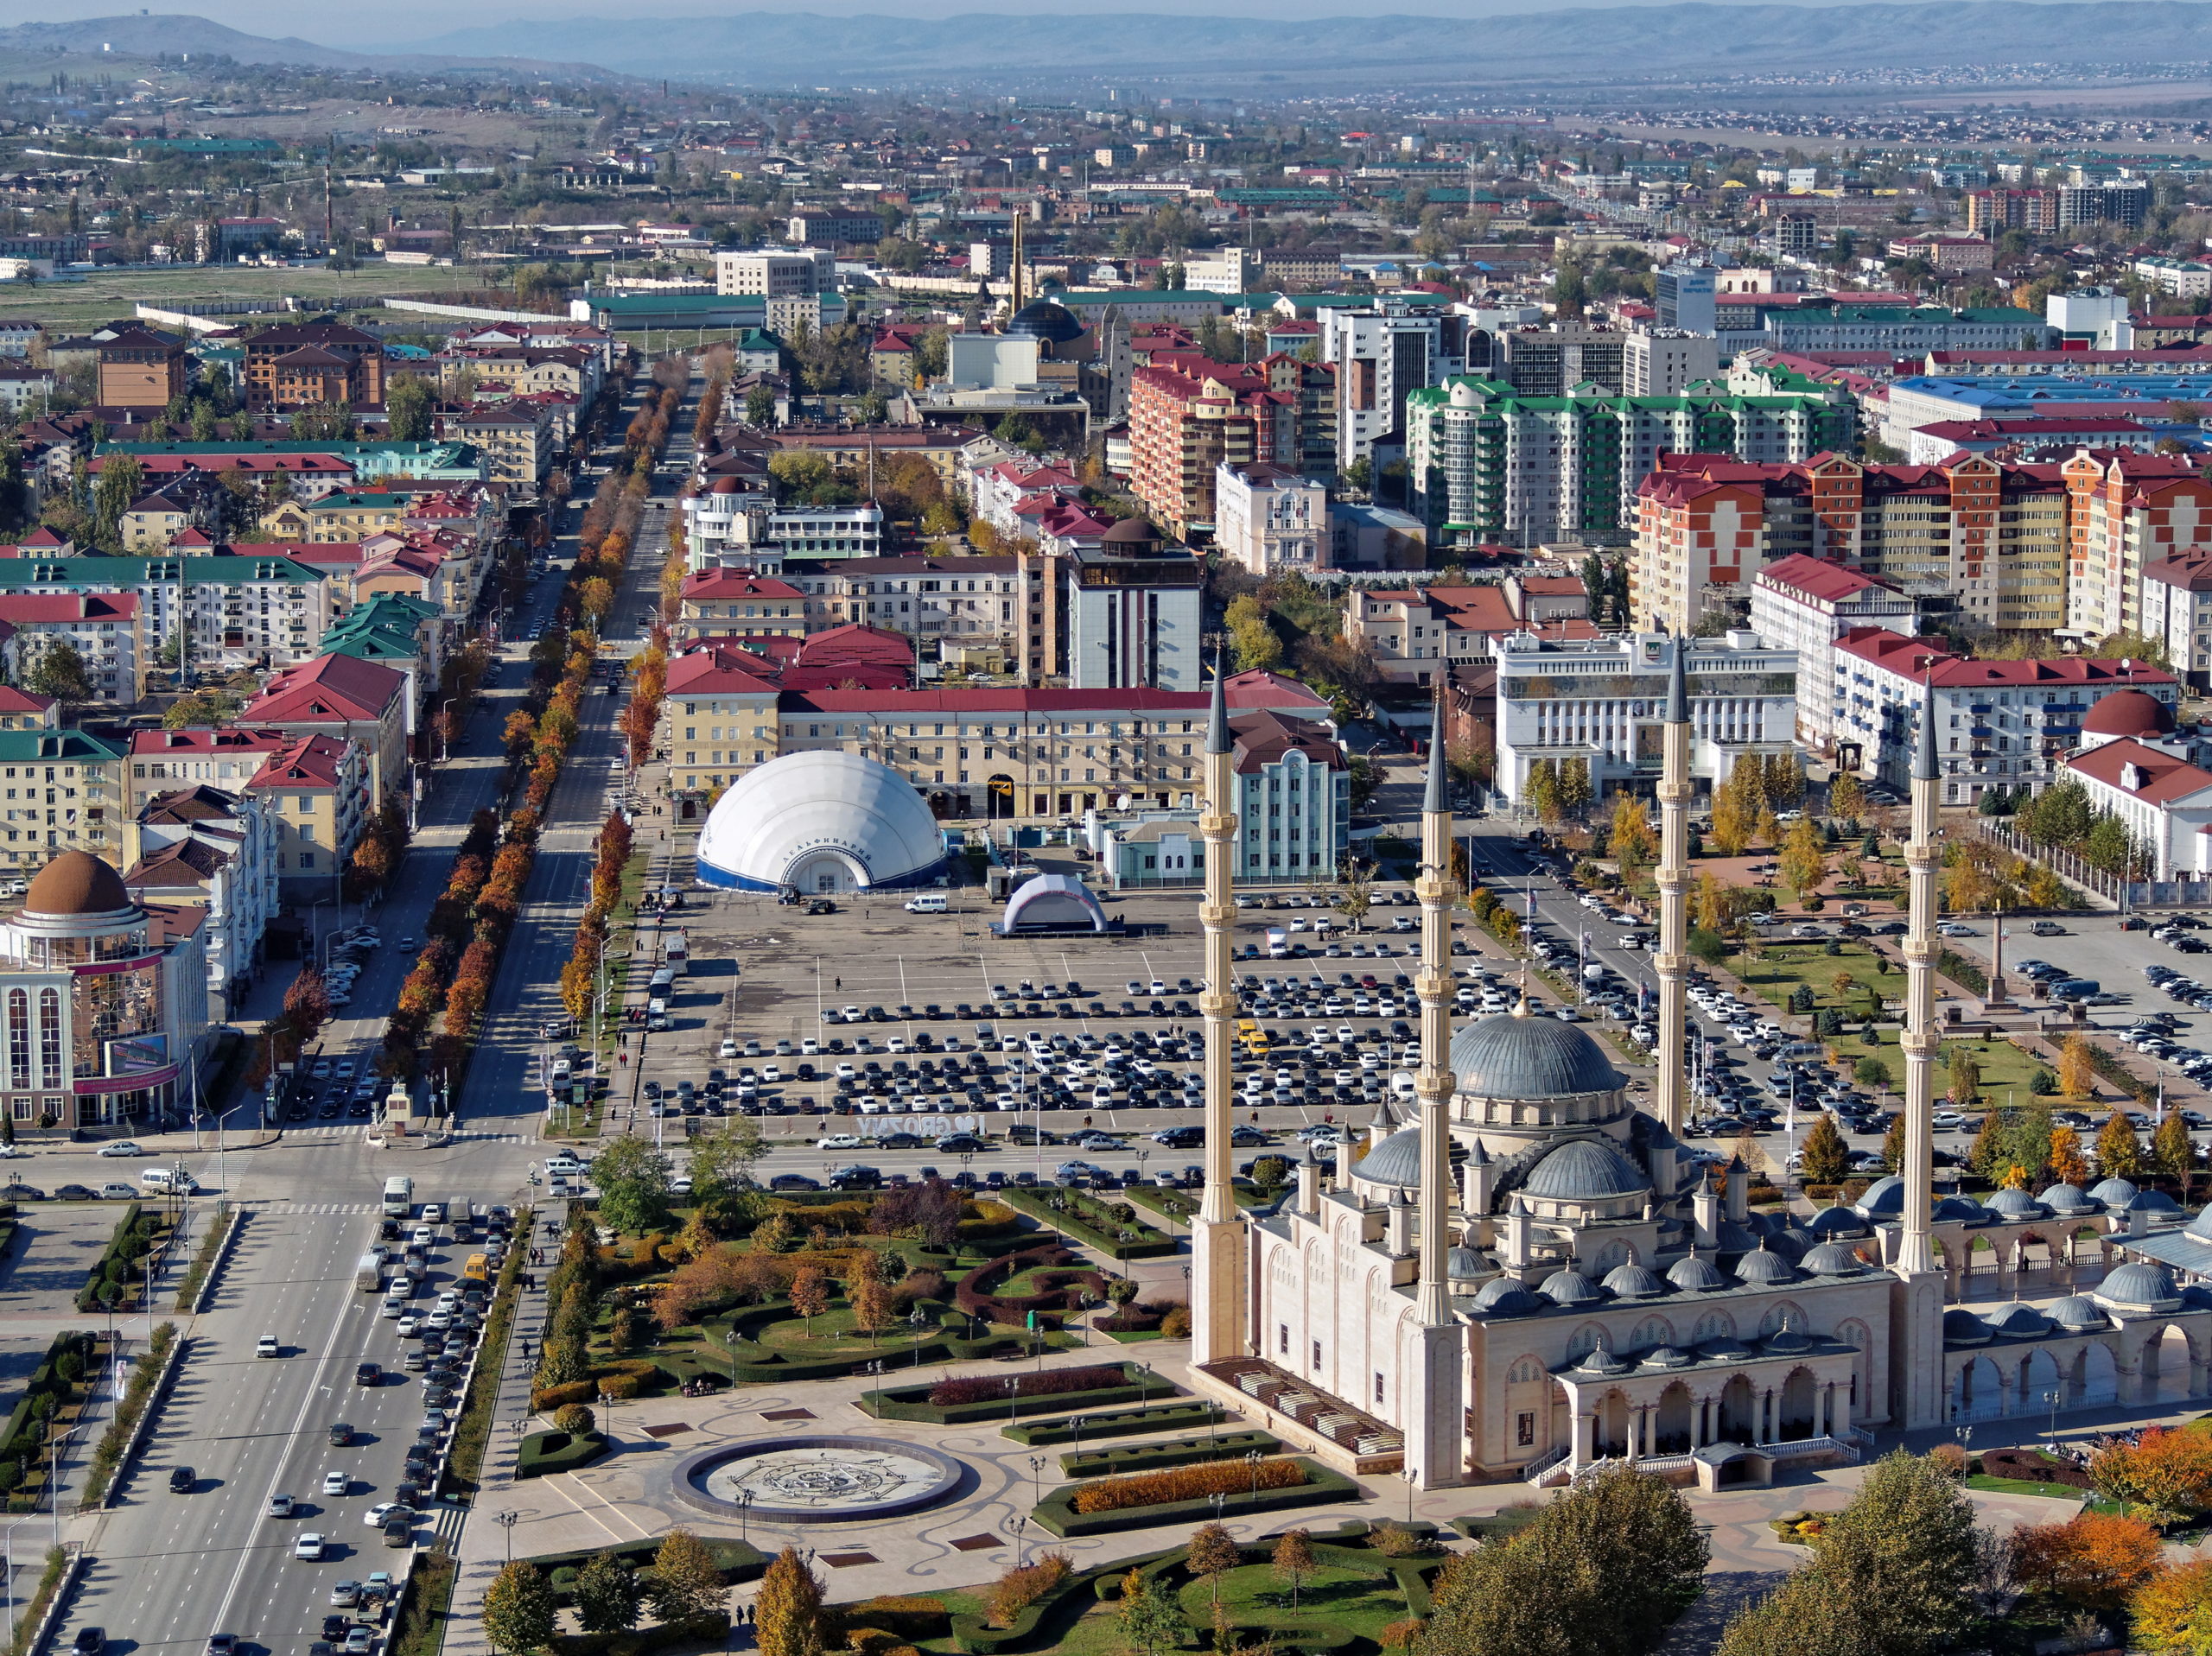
(821, 823)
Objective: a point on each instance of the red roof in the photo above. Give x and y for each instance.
(328, 689)
(718, 584)
(2161, 778)
(96, 609)
(1817, 578)
(200, 738)
(1892, 650)
(302, 762)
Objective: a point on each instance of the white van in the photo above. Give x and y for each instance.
(165, 1180)
(928, 902)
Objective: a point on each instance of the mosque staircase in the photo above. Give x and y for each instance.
(1370, 1442)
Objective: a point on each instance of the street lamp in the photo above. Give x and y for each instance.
(744, 1515)
(1252, 1461)
(1017, 1523)
(506, 1522)
(1036, 1472)
(2051, 1398)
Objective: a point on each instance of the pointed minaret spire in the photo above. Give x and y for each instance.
(1678, 682)
(1436, 799)
(1217, 715)
(1924, 767)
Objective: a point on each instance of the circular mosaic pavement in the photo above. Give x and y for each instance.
(817, 1480)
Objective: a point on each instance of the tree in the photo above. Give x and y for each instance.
(1629, 837)
(2170, 1614)
(1574, 794)
(1149, 1619)
(121, 480)
(2068, 1163)
(1825, 1159)
(634, 1185)
(1293, 1561)
(2077, 1069)
(57, 669)
(209, 708)
(1252, 639)
(1804, 858)
(760, 405)
(1603, 1571)
(519, 1613)
(1847, 797)
(1542, 790)
(687, 1585)
(1736, 805)
(2171, 1152)
(2096, 1560)
(2119, 1152)
(407, 402)
(810, 1293)
(1892, 1575)
(1892, 1151)
(607, 1595)
(1965, 1084)
(1213, 1554)
(2167, 1471)
(721, 1167)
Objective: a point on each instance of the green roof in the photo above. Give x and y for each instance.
(127, 574)
(21, 746)
(1097, 299)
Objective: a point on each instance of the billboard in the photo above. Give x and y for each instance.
(137, 1055)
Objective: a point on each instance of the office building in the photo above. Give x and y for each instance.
(1683, 296)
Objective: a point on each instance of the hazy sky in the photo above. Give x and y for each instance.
(400, 21)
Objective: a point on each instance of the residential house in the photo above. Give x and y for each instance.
(102, 627)
(351, 700)
(1805, 605)
(59, 790)
(320, 790)
(217, 850)
(1412, 634)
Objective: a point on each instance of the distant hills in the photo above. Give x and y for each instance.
(1620, 44)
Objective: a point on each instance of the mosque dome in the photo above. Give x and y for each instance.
(1504, 1297)
(1791, 1242)
(1884, 1198)
(1571, 1287)
(2115, 1193)
(1695, 1274)
(2154, 1202)
(1963, 1328)
(77, 885)
(1665, 1357)
(1047, 320)
(1633, 1281)
(1505, 1056)
(1836, 1221)
(1397, 1160)
(2065, 1199)
(1584, 1170)
(2019, 1320)
(2129, 714)
(2016, 1204)
(1463, 1263)
(1962, 1209)
(1762, 1268)
(2138, 1285)
(2078, 1313)
(821, 820)
(1832, 1260)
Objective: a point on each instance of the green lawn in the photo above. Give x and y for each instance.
(2023, 1487)
(1781, 967)
(1335, 1596)
(2005, 1069)
(833, 1331)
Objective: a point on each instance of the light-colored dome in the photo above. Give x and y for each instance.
(2018, 1320)
(1633, 1281)
(2077, 1312)
(2065, 1199)
(1504, 1297)
(1508, 1056)
(1696, 1275)
(1666, 1357)
(1584, 1170)
(2015, 1204)
(1832, 1260)
(1836, 1220)
(77, 882)
(1762, 1268)
(2115, 1193)
(1570, 1287)
(816, 819)
(2138, 1286)
(1884, 1198)
(1965, 1210)
(1463, 1263)
(2128, 712)
(1396, 1161)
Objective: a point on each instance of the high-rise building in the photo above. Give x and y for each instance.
(1380, 356)
(1683, 294)
(1189, 416)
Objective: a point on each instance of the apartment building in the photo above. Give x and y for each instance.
(226, 610)
(361, 353)
(1270, 518)
(1416, 634)
(1601, 700)
(1805, 605)
(139, 368)
(2177, 612)
(227, 759)
(1132, 610)
(2125, 510)
(1552, 360)
(1487, 464)
(216, 851)
(722, 603)
(1666, 361)
(59, 790)
(320, 791)
(1188, 417)
(1994, 537)
(740, 526)
(348, 700)
(103, 628)
(775, 274)
(2008, 724)
(1381, 355)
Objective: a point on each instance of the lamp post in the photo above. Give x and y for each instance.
(506, 1522)
(745, 1514)
(2051, 1398)
(1017, 1523)
(1252, 1463)
(8, 1543)
(1036, 1473)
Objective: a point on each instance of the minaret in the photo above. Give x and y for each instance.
(1433, 1424)
(1217, 1239)
(1916, 1390)
(1672, 960)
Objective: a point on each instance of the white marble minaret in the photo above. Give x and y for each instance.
(1917, 1332)
(1673, 961)
(1217, 1235)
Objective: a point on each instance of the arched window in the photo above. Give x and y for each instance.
(1526, 1370)
(1584, 1340)
(1652, 1331)
(1713, 1325)
(1771, 1322)
(19, 1038)
(49, 1037)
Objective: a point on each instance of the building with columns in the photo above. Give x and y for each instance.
(1522, 1273)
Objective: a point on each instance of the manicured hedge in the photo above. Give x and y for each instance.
(911, 1402)
(1150, 1244)
(1176, 1451)
(977, 1388)
(1060, 1293)
(737, 1561)
(2032, 1466)
(131, 1240)
(1056, 1512)
(1117, 1422)
(1184, 1483)
(544, 1453)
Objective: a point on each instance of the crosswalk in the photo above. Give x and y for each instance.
(360, 1130)
(346, 1208)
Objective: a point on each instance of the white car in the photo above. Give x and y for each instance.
(842, 1141)
(410, 1325)
(267, 1346)
(729, 1048)
(309, 1546)
(1953, 929)
(384, 1511)
(121, 1147)
(337, 1483)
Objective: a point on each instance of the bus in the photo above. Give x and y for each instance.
(478, 1268)
(398, 1197)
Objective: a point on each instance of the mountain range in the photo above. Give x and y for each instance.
(1620, 44)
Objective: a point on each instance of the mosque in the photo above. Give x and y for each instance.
(1528, 1276)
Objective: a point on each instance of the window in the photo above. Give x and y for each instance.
(1524, 1431)
(1317, 1354)
(1282, 1338)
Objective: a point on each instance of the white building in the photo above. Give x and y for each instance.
(1665, 361)
(2177, 611)
(1133, 613)
(1601, 700)
(1807, 603)
(2185, 278)
(774, 273)
(204, 846)
(1268, 519)
(1380, 355)
(735, 525)
(2098, 315)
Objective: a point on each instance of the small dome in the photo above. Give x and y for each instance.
(1463, 1263)
(1529, 1059)
(1836, 1221)
(1963, 1211)
(1396, 1161)
(1761, 1268)
(1504, 1297)
(1665, 1357)
(1045, 319)
(2115, 1193)
(1832, 1260)
(1726, 1350)
(1785, 1339)
(1884, 1198)
(2128, 712)
(1584, 1170)
(1738, 1239)
(1792, 1243)
(1696, 1275)
(1132, 532)
(2154, 1202)
(2018, 1320)
(2065, 1199)
(1599, 1360)
(77, 882)
(1571, 1288)
(2078, 1313)
(2138, 1286)
(1963, 1328)
(2015, 1204)
(1633, 1281)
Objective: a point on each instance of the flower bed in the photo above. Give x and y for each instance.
(544, 1453)
(1176, 1451)
(2032, 1466)
(1316, 1484)
(1185, 1483)
(1058, 1291)
(912, 1402)
(977, 1388)
(1117, 1422)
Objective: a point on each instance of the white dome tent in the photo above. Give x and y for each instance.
(820, 823)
